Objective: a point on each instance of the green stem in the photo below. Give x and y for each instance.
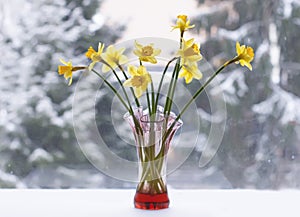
(153, 98)
(173, 86)
(204, 86)
(181, 38)
(168, 99)
(120, 82)
(137, 125)
(113, 89)
(131, 89)
(161, 82)
(173, 91)
(152, 146)
(160, 154)
(148, 102)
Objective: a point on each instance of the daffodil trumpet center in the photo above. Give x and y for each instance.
(147, 51)
(183, 17)
(193, 50)
(138, 81)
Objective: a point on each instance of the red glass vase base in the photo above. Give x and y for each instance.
(151, 202)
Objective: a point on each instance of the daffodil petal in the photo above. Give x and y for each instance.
(142, 70)
(189, 42)
(138, 92)
(123, 59)
(105, 68)
(190, 27)
(152, 60)
(128, 83)
(100, 48)
(91, 66)
(156, 52)
(110, 49)
(121, 50)
(181, 74)
(249, 66)
(188, 79)
(137, 53)
(63, 62)
(238, 48)
(242, 62)
(68, 74)
(197, 75)
(138, 45)
(132, 70)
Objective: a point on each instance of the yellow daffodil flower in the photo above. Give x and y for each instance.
(139, 80)
(190, 52)
(146, 53)
(113, 57)
(68, 69)
(94, 56)
(244, 55)
(189, 72)
(182, 23)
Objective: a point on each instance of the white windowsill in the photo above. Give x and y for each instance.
(119, 203)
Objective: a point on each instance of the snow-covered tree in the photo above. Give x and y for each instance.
(36, 126)
(259, 148)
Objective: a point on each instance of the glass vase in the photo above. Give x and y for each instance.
(153, 136)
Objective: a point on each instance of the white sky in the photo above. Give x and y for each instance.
(147, 18)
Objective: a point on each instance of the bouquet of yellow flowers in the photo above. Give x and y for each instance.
(154, 127)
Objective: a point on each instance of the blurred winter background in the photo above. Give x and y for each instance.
(261, 145)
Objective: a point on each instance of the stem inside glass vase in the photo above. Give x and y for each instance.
(152, 145)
